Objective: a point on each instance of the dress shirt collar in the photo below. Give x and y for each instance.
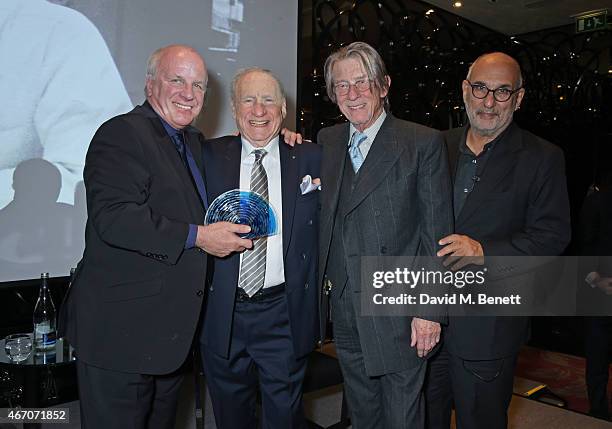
(371, 131)
(271, 148)
(169, 128)
(463, 147)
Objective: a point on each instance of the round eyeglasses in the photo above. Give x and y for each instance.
(481, 91)
(342, 88)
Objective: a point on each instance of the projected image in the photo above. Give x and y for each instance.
(225, 15)
(70, 65)
(61, 85)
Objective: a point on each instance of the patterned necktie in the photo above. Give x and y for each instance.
(253, 268)
(179, 142)
(355, 152)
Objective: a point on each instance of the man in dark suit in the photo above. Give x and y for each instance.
(386, 192)
(510, 199)
(135, 301)
(594, 238)
(261, 318)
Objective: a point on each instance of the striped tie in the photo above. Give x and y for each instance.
(355, 152)
(253, 268)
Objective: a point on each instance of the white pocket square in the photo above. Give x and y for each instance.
(308, 184)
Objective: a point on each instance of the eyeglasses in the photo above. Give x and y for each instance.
(500, 94)
(344, 87)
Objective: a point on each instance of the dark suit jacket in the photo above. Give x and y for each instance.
(299, 228)
(519, 207)
(137, 294)
(594, 240)
(401, 205)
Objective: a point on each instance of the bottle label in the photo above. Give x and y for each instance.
(44, 335)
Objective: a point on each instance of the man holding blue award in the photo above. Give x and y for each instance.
(260, 320)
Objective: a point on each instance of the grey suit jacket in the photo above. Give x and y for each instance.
(401, 206)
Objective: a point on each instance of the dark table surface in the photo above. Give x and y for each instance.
(62, 354)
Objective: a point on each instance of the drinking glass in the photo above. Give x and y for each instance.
(18, 347)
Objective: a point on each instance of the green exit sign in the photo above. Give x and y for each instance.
(592, 22)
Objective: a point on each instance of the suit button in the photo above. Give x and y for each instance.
(304, 256)
(376, 212)
(306, 286)
(200, 293)
(211, 288)
(309, 221)
(201, 250)
(174, 337)
(383, 250)
(147, 357)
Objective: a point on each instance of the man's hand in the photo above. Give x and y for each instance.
(291, 138)
(462, 251)
(425, 335)
(220, 239)
(604, 284)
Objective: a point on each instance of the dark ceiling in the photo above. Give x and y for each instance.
(513, 17)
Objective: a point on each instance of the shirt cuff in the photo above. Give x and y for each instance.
(191, 237)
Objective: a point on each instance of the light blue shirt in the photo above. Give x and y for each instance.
(370, 132)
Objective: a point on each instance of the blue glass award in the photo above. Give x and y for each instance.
(246, 208)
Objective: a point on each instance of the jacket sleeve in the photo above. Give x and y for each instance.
(435, 201)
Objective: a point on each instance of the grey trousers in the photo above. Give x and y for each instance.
(390, 401)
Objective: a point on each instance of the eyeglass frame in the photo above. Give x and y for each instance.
(353, 84)
(481, 85)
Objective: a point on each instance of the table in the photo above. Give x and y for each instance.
(35, 376)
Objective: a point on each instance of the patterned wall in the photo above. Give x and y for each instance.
(568, 77)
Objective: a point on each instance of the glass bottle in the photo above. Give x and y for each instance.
(44, 318)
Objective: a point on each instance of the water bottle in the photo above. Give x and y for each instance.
(44, 318)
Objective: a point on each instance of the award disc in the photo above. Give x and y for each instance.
(246, 208)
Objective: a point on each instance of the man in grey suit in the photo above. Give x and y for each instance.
(386, 192)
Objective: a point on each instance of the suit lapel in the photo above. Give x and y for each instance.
(226, 179)
(194, 146)
(502, 160)
(290, 180)
(453, 139)
(383, 154)
(186, 185)
(233, 157)
(332, 170)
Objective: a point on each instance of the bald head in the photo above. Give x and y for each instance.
(491, 78)
(176, 84)
(501, 61)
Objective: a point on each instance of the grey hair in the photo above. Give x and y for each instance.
(153, 62)
(155, 57)
(518, 66)
(370, 60)
(243, 72)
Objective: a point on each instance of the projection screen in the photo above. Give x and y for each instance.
(70, 65)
